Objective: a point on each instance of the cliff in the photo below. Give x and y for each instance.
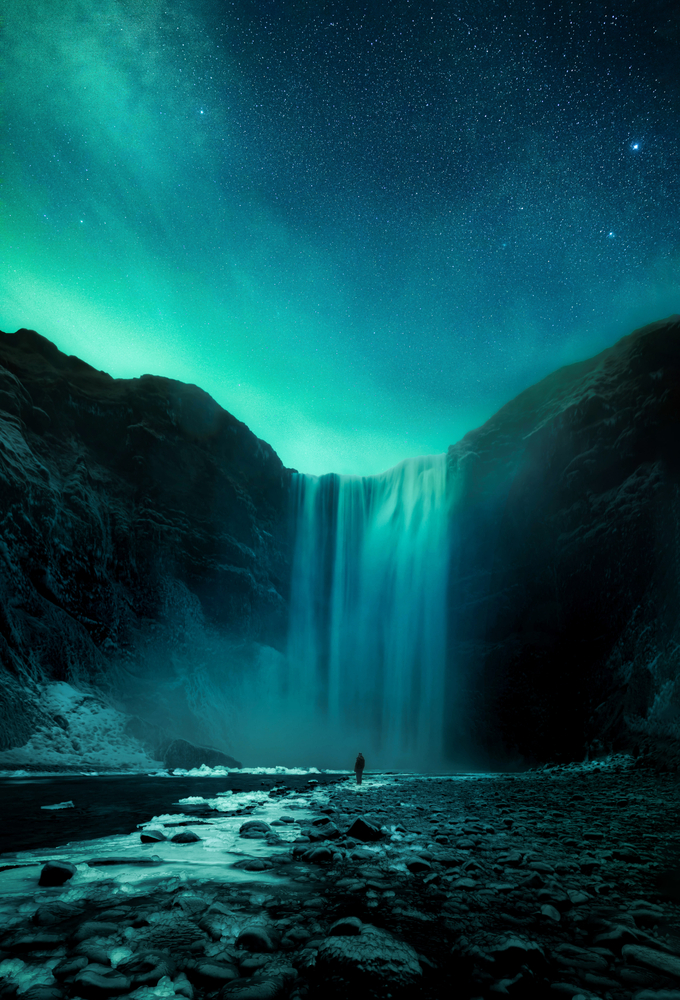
(140, 524)
(565, 589)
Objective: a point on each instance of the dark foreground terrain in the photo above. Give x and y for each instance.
(552, 883)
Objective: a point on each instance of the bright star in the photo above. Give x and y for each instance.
(635, 145)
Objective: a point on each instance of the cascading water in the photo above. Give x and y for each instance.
(367, 634)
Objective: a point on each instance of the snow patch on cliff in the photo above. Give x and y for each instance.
(86, 734)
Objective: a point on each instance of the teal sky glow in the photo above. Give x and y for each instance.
(361, 227)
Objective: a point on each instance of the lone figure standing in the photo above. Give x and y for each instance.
(359, 765)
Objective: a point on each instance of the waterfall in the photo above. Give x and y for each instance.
(367, 633)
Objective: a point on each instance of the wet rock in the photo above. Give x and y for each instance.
(363, 829)
(550, 913)
(56, 873)
(255, 937)
(516, 951)
(346, 926)
(190, 904)
(94, 951)
(417, 864)
(43, 991)
(627, 853)
(372, 953)
(152, 836)
(512, 860)
(255, 829)
(148, 968)
(323, 829)
(319, 855)
(268, 988)
(211, 974)
(56, 913)
(94, 928)
(659, 961)
(69, 967)
(583, 959)
(254, 865)
(185, 837)
(37, 941)
(248, 964)
(97, 981)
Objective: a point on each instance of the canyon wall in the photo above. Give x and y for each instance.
(145, 554)
(565, 584)
(142, 531)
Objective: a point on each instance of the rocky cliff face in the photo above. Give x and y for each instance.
(144, 552)
(140, 525)
(565, 595)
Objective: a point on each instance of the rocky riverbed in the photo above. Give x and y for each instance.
(552, 883)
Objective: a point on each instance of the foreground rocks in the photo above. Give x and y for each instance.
(559, 883)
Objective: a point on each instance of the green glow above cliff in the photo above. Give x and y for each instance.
(216, 198)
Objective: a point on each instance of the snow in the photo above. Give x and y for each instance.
(93, 737)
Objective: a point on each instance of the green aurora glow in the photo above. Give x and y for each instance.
(360, 250)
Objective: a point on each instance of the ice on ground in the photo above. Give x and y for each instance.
(221, 772)
(60, 805)
(86, 733)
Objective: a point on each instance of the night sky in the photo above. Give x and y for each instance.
(362, 227)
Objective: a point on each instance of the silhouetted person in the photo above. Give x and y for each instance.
(359, 766)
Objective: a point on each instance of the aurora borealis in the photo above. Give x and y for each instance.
(361, 227)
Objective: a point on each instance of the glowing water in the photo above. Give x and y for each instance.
(367, 635)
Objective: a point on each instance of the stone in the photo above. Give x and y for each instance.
(266, 988)
(657, 995)
(69, 967)
(190, 904)
(550, 913)
(659, 961)
(323, 829)
(464, 883)
(56, 912)
(417, 864)
(152, 836)
(95, 928)
(517, 951)
(185, 837)
(363, 829)
(36, 941)
(98, 981)
(56, 873)
(147, 968)
(372, 954)
(212, 974)
(319, 855)
(346, 926)
(186, 756)
(254, 865)
(628, 854)
(254, 829)
(255, 937)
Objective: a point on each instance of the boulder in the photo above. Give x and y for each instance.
(185, 755)
(56, 873)
(373, 954)
(363, 829)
